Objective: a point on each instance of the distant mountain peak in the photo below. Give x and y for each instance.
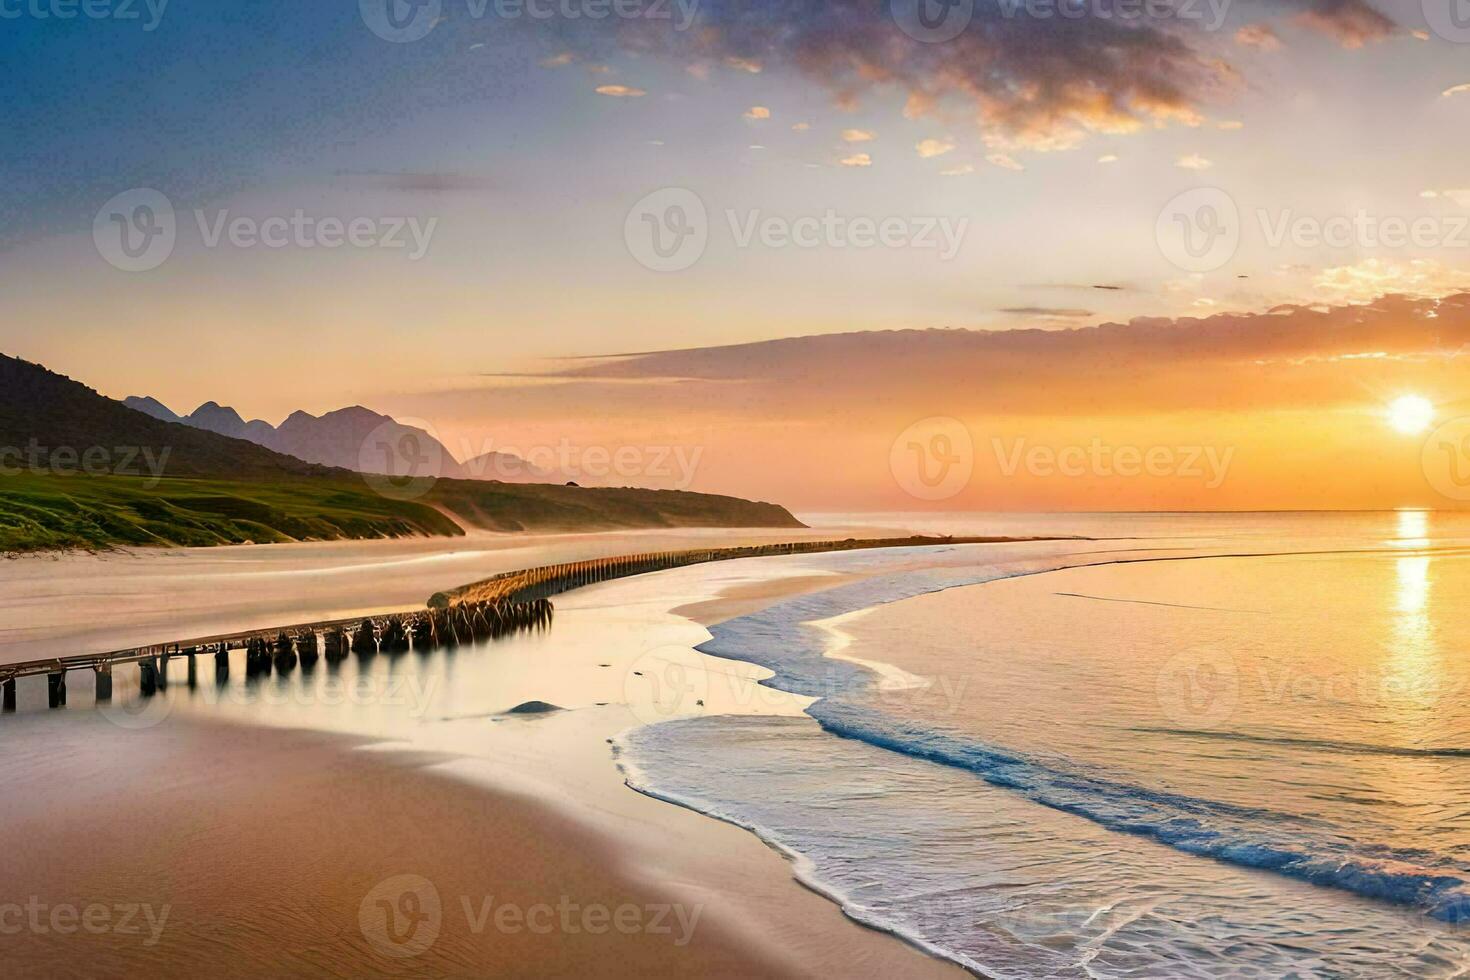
(151, 406)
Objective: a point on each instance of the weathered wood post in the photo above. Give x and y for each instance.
(147, 677)
(160, 670)
(56, 688)
(193, 669)
(7, 694)
(222, 665)
(104, 682)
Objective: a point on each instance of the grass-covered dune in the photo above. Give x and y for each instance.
(78, 470)
(46, 512)
(41, 512)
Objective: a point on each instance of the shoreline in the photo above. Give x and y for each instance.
(561, 761)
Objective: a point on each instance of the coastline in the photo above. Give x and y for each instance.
(524, 769)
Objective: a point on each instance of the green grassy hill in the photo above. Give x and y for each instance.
(78, 470)
(39, 513)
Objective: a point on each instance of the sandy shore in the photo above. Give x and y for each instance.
(274, 847)
(75, 603)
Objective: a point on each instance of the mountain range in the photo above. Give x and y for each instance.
(353, 438)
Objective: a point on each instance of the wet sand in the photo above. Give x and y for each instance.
(76, 603)
(267, 841)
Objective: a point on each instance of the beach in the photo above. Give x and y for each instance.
(267, 826)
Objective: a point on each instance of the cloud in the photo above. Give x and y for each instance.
(1194, 161)
(1375, 277)
(420, 182)
(757, 112)
(960, 171)
(1457, 89)
(1030, 83)
(856, 135)
(1230, 124)
(621, 91)
(933, 148)
(1258, 36)
(1046, 311)
(1352, 23)
(557, 60)
(1107, 158)
(1002, 160)
(857, 160)
(800, 127)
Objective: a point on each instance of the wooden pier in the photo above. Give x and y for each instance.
(506, 603)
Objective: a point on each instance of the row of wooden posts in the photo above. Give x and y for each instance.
(487, 609)
(456, 625)
(550, 580)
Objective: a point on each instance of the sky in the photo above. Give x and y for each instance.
(537, 188)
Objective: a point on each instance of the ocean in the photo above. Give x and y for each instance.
(1197, 745)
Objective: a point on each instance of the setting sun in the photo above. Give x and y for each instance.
(1410, 414)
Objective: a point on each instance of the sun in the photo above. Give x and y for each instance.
(1410, 414)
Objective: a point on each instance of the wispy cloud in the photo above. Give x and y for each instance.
(1004, 161)
(621, 91)
(1194, 161)
(756, 112)
(1259, 36)
(933, 147)
(857, 135)
(857, 160)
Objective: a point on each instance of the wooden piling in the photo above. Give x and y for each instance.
(7, 694)
(56, 688)
(104, 683)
